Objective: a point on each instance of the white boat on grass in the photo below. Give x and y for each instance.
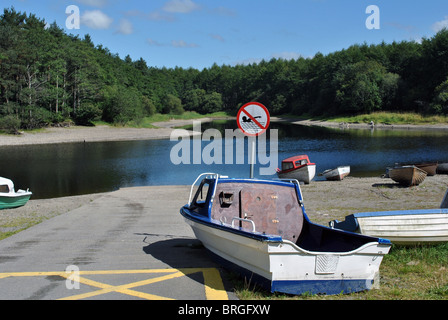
(403, 227)
(9, 198)
(260, 228)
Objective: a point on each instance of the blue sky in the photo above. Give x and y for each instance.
(199, 33)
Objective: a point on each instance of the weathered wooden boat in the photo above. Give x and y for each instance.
(299, 168)
(336, 174)
(442, 168)
(260, 229)
(9, 198)
(407, 175)
(429, 167)
(401, 227)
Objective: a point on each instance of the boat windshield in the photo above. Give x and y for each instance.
(287, 165)
(301, 162)
(201, 194)
(4, 188)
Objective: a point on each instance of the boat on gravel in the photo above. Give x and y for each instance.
(9, 198)
(407, 175)
(429, 167)
(260, 229)
(299, 168)
(337, 174)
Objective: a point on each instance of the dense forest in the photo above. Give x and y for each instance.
(48, 77)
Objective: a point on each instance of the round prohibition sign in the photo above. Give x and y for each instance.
(253, 119)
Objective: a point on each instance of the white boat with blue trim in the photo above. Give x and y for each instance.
(260, 228)
(403, 227)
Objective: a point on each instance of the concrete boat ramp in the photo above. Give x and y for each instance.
(128, 244)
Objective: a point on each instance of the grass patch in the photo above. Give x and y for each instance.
(392, 118)
(18, 225)
(148, 122)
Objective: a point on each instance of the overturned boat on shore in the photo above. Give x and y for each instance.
(260, 229)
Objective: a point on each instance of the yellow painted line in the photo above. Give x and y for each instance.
(214, 288)
(105, 288)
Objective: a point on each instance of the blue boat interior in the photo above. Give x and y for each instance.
(267, 210)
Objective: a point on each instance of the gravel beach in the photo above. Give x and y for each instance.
(324, 200)
(90, 134)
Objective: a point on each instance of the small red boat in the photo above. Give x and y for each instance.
(299, 168)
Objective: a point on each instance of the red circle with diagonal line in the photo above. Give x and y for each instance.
(253, 119)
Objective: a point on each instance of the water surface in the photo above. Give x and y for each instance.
(82, 168)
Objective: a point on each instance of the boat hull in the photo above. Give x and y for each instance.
(442, 168)
(284, 267)
(400, 227)
(304, 174)
(337, 174)
(407, 175)
(14, 200)
(429, 168)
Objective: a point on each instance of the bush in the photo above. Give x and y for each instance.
(36, 118)
(87, 114)
(172, 104)
(10, 124)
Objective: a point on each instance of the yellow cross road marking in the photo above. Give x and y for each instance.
(214, 288)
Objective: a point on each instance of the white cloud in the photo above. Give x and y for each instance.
(439, 25)
(125, 27)
(217, 37)
(154, 43)
(96, 20)
(157, 16)
(183, 44)
(180, 6)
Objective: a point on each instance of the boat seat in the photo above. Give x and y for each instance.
(273, 209)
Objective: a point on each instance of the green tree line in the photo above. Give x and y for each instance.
(48, 76)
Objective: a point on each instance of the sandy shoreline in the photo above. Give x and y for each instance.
(53, 135)
(380, 126)
(75, 134)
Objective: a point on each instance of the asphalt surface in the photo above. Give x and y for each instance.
(129, 244)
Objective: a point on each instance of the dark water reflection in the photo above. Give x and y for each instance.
(82, 168)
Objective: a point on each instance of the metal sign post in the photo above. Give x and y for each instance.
(253, 119)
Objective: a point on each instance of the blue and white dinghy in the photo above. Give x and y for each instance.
(402, 227)
(260, 228)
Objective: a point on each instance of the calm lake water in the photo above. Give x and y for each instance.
(82, 168)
